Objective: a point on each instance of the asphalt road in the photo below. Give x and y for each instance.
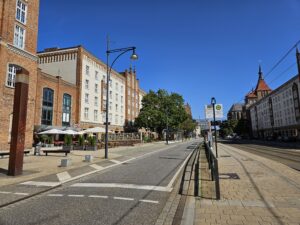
(284, 155)
(130, 193)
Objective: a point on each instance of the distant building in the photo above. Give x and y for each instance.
(278, 113)
(261, 90)
(235, 112)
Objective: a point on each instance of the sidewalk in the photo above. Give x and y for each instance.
(254, 190)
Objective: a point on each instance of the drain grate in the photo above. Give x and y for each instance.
(225, 156)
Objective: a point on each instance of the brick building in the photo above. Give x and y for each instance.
(18, 43)
(55, 102)
(81, 68)
(132, 96)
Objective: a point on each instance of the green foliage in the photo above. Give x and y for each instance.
(188, 126)
(50, 139)
(229, 127)
(44, 138)
(92, 140)
(81, 140)
(68, 140)
(159, 109)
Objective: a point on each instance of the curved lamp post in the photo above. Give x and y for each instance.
(213, 102)
(109, 68)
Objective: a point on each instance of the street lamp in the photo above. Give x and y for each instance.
(109, 68)
(213, 102)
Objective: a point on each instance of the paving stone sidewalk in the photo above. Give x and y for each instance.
(254, 190)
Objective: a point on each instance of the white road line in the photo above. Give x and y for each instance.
(63, 176)
(126, 199)
(97, 196)
(5, 192)
(115, 161)
(53, 184)
(76, 196)
(20, 193)
(149, 201)
(97, 167)
(178, 171)
(41, 183)
(55, 195)
(127, 186)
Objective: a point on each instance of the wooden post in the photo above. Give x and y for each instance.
(17, 144)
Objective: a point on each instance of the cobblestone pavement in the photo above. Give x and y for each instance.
(254, 190)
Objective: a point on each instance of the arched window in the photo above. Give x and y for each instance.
(66, 116)
(47, 107)
(296, 101)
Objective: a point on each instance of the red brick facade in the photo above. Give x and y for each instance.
(59, 87)
(12, 55)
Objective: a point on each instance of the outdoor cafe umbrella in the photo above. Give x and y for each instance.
(71, 132)
(53, 131)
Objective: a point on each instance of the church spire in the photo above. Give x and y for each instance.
(260, 74)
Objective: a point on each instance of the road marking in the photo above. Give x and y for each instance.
(55, 195)
(178, 171)
(149, 201)
(20, 193)
(76, 196)
(53, 184)
(97, 196)
(41, 183)
(63, 176)
(97, 167)
(128, 186)
(126, 199)
(115, 161)
(5, 192)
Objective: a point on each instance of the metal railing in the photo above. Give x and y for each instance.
(213, 166)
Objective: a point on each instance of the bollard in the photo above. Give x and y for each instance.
(65, 162)
(88, 158)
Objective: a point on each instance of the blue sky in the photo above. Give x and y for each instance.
(198, 48)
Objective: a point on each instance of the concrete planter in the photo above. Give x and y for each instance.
(90, 148)
(78, 147)
(67, 148)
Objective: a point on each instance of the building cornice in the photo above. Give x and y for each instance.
(21, 52)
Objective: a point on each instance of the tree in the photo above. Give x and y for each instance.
(160, 109)
(188, 126)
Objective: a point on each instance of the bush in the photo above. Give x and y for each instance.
(68, 140)
(92, 140)
(81, 140)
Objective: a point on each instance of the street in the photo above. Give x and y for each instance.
(133, 192)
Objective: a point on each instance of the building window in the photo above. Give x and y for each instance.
(117, 107)
(86, 113)
(87, 70)
(110, 105)
(21, 12)
(96, 88)
(19, 38)
(121, 88)
(117, 86)
(96, 101)
(86, 98)
(117, 97)
(110, 94)
(66, 117)
(95, 115)
(296, 101)
(87, 84)
(47, 107)
(96, 75)
(11, 76)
